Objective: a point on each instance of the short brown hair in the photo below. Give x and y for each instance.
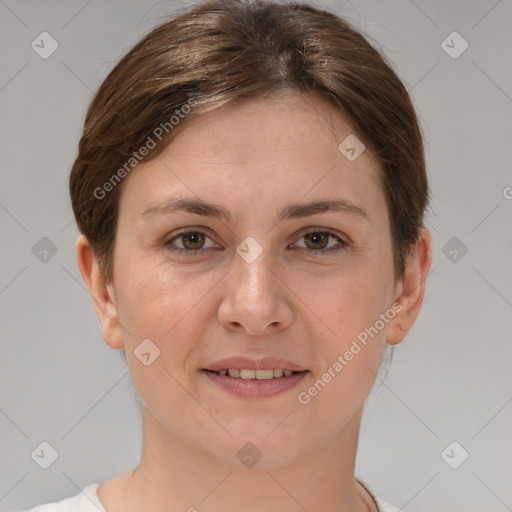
(225, 50)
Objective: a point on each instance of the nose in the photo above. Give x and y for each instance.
(255, 297)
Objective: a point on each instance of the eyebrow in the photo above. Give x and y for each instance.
(291, 211)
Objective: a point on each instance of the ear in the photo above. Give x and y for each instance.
(102, 293)
(411, 288)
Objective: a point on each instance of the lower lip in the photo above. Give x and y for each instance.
(256, 388)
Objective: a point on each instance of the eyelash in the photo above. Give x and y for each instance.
(318, 252)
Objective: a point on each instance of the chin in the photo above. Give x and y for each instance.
(261, 445)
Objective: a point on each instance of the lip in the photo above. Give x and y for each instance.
(255, 388)
(265, 363)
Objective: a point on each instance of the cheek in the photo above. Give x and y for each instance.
(153, 294)
(165, 305)
(350, 299)
(349, 306)
(348, 353)
(155, 305)
(159, 305)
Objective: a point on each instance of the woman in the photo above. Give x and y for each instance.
(250, 190)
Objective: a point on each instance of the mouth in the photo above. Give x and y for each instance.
(248, 374)
(249, 378)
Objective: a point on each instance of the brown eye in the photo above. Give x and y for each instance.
(317, 240)
(317, 243)
(193, 240)
(189, 242)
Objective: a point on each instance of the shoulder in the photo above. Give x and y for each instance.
(85, 501)
(383, 506)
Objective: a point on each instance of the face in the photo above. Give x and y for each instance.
(258, 275)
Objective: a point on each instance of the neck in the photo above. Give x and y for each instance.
(173, 475)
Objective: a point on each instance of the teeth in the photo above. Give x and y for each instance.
(264, 374)
(256, 374)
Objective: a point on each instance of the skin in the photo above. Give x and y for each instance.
(253, 159)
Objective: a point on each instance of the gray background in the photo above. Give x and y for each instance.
(449, 381)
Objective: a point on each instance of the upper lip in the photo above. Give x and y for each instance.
(264, 363)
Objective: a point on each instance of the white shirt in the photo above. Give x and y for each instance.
(88, 501)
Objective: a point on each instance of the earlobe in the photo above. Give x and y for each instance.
(411, 288)
(101, 292)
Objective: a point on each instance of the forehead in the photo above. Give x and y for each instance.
(260, 153)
